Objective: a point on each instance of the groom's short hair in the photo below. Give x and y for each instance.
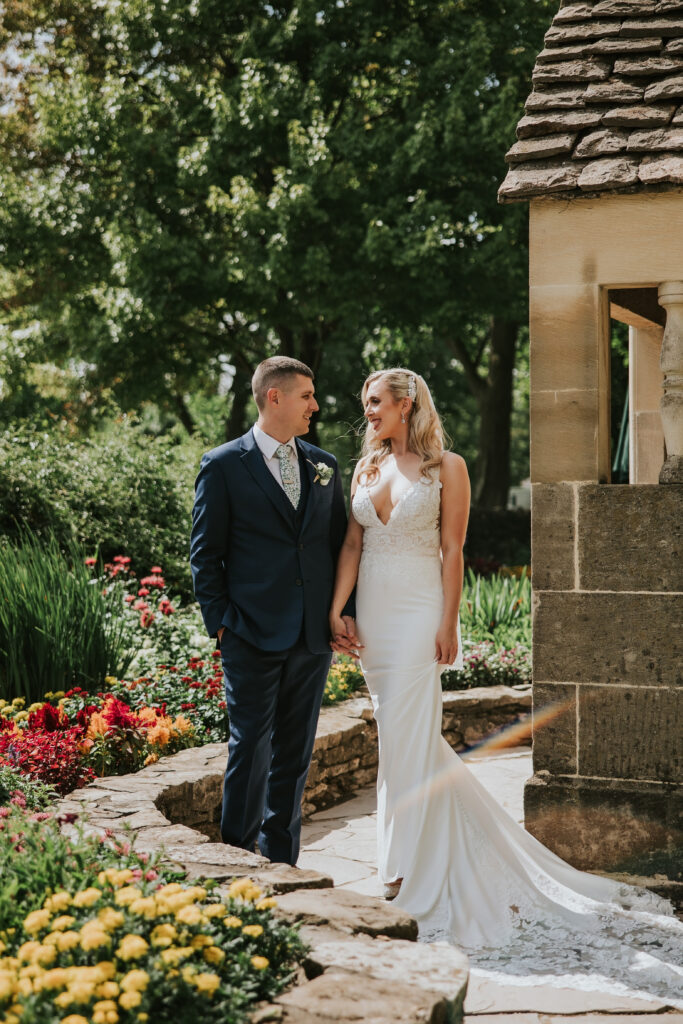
(276, 372)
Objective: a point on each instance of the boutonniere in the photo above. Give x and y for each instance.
(323, 473)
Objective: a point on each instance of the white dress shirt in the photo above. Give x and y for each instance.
(268, 446)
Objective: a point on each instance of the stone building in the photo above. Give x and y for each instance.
(599, 157)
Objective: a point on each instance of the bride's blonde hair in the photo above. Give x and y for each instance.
(426, 436)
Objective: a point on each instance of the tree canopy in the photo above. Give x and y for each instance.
(194, 184)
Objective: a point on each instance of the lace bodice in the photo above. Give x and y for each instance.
(413, 527)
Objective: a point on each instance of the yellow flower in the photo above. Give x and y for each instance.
(105, 1017)
(170, 888)
(252, 930)
(24, 987)
(126, 895)
(233, 922)
(61, 923)
(86, 897)
(103, 971)
(259, 962)
(143, 1017)
(37, 921)
(18, 702)
(56, 978)
(145, 906)
(207, 983)
(58, 901)
(67, 940)
(151, 759)
(213, 955)
(74, 1018)
(173, 957)
(215, 910)
(189, 915)
(266, 903)
(199, 941)
(129, 1000)
(81, 991)
(6, 985)
(239, 885)
(93, 936)
(163, 935)
(105, 1006)
(115, 876)
(135, 981)
(107, 990)
(177, 900)
(132, 947)
(110, 919)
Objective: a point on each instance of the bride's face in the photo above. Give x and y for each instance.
(382, 412)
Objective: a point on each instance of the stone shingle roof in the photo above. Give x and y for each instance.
(606, 110)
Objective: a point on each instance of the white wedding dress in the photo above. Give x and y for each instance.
(471, 874)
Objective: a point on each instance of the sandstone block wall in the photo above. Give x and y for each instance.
(607, 573)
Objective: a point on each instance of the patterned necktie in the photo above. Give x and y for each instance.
(288, 473)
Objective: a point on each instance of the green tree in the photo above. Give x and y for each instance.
(186, 183)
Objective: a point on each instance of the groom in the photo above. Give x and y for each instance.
(268, 522)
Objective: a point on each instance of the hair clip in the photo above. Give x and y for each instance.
(412, 387)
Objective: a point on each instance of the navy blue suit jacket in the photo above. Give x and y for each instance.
(254, 570)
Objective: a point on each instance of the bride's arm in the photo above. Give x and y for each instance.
(347, 574)
(455, 510)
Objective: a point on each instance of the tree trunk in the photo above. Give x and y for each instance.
(183, 413)
(492, 470)
(235, 424)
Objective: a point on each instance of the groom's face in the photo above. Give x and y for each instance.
(296, 405)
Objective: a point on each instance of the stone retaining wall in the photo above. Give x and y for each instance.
(345, 752)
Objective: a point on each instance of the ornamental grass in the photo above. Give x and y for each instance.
(103, 943)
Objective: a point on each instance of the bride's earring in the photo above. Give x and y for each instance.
(403, 418)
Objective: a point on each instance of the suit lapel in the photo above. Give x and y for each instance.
(313, 489)
(252, 458)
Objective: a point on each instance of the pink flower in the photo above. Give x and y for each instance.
(143, 592)
(151, 875)
(122, 559)
(129, 598)
(156, 569)
(90, 561)
(146, 619)
(141, 606)
(18, 799)
(5, 812)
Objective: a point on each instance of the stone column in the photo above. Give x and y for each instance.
(671, 362)
(646, 441)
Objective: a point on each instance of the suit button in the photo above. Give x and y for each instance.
(299, 583)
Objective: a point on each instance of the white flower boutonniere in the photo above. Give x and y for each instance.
(323, 473)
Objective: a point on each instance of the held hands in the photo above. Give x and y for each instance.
(344, 638)
(446, 644)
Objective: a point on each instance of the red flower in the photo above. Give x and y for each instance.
(48, 718)
(118, 715)
(122, 559)
(146, 619)
(90, 561)
(143, 592)
(156, 569)
(153, 581)
(129, 599)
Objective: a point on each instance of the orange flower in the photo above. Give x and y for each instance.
(97, 726)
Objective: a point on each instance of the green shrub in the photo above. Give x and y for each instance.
(496, 607)
(114, 492)
(486, 664)
(57, 629)
(25, 791)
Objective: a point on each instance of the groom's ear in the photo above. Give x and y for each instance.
(272, 395)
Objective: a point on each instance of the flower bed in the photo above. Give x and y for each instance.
(91, 931)
(489, 665)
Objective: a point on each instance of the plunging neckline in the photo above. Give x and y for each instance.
(394, 507)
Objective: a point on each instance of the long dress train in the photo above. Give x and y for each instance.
(471, 874)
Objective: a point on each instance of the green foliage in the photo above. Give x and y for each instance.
(187, 188)
(117, 491)
(56, 628)
(345, 677)
(36, 795)
(496, 608)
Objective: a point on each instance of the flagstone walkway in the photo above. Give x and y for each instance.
(341, 842)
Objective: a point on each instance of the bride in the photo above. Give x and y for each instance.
(447, 852)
